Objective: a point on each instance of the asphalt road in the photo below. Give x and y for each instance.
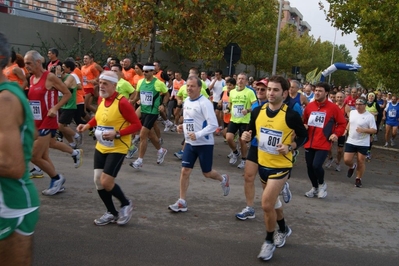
(352, 226)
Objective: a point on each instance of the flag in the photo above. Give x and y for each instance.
(310, 75)
(316, 79)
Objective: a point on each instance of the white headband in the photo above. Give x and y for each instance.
(148, 68)
(109, 78)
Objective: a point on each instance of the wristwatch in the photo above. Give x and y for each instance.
(289, 147)
(117, 135)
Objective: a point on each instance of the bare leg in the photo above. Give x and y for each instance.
(16, 250)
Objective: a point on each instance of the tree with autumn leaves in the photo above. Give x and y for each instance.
(200, 29)
(376, 24)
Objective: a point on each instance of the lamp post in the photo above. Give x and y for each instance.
(277, 38)
(332, 54)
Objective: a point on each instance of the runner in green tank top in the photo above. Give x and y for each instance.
(19, 201)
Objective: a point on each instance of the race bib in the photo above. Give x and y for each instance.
(36, 109)
(237, 110)
(188, 124)
(225, 105)
(269, 139)
(316, 119)
(84, 80)
(99, 135)
(146, 98)
(392, 113)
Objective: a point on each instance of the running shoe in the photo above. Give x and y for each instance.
(161, 155)
(329, 162)
(337, 167)
(234, 158)
(77, 159)
(106, 219)
(79, 140)
(358, 182)
(386, 144)
(225, 185)
(55, 186)
(322, 191)
(137, 164)
(368, 155)
(280, 237)
(125, 214)
(392, 142)
(312, 193)
(241, 165)
(246, 213)
(36, 173)
(168, 126)
(351, 171)
(286, 192)
(161, 141)
(179, 154)
(266, 252)
(375, 138)
(230, 155)
(132, 150)
(179, 206)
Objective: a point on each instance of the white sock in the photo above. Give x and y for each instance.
(74, 153)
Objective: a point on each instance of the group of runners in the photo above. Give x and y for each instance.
(264, 123)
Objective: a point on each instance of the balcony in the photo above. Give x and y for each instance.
(67, 10)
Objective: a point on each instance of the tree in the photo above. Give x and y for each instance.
(376, 24)
(195, 29)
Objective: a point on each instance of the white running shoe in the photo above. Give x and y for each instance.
(55, 186)
(125, 214)
(241, 165)
(322, 191)
(312, 193)
(266, 252)
(161, 155)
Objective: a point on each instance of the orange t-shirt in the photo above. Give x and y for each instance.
(158, 76)
(80, 94)
(9, 73)
(89, 73)
(129, 75)
(136, 79)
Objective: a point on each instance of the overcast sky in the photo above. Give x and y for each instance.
(321, 28)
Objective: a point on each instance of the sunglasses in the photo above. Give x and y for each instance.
(146, 71)
(261, 89)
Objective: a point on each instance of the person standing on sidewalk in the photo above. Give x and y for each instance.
(115, 121)
(274, 125)
(325, 123)
(198, 126)
(360, 127)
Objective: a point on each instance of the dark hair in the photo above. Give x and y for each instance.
(4, 51)
(140, 66)
(219, 71)
(324, 85)
(54, 51)
(231, 81)
(199, 81)
(117, 61)
(149, 64)
(70, 64)
(13, 56)
(118, 66)
(280, 79)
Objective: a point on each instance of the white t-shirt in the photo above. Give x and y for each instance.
(199, 117)
(365, 120)
(217, 89)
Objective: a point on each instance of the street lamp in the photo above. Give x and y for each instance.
(277, 38)
(332, 54)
